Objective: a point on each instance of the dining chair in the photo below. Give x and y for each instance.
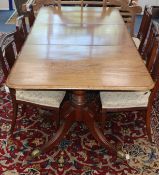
(20, 36)
(140, 39)
(21, 32)
(154, 32)
(119, 101)
(47, 99)
(82, 3)
(128, 11)
(30, 14)
(37, 4)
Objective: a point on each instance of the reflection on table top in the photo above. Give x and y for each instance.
(78, 15)
(79, 49)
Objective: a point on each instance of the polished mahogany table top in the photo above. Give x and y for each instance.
(79, 48)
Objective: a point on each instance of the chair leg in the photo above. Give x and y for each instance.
(148, 125)
(14, 117)
(58, 119)
(103, 119)
(23, 109)
(15, 109)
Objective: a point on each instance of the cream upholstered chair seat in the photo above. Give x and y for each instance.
(136, 41)
(124, 99)
(44, 98)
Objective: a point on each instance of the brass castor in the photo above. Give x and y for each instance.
(35, 153)
(122, 155)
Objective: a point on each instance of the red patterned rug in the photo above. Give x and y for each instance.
(78, 153)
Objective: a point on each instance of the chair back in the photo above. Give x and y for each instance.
(81, 3)
(21, 26)
(154, 32)
(153, 62)
(128, 11)
(31, 15)
(144, 27)
(29, 10)
(8, 52)
(21, 33)
(30, 4)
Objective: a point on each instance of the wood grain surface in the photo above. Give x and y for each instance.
(70, 48)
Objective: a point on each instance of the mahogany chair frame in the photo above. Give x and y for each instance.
(21, 32)
(29, 10)
(7, 47)
(153, 64)
(16, 39)
(147, 54)
(144, 28)
(21, 26)
(31, 15)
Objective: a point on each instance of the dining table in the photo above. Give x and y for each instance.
(82, 50)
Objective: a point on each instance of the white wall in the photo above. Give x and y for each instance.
(4, 5)
(142, 3)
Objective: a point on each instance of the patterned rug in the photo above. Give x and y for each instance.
(78, 153)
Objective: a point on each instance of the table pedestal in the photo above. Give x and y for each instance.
(81, 106)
